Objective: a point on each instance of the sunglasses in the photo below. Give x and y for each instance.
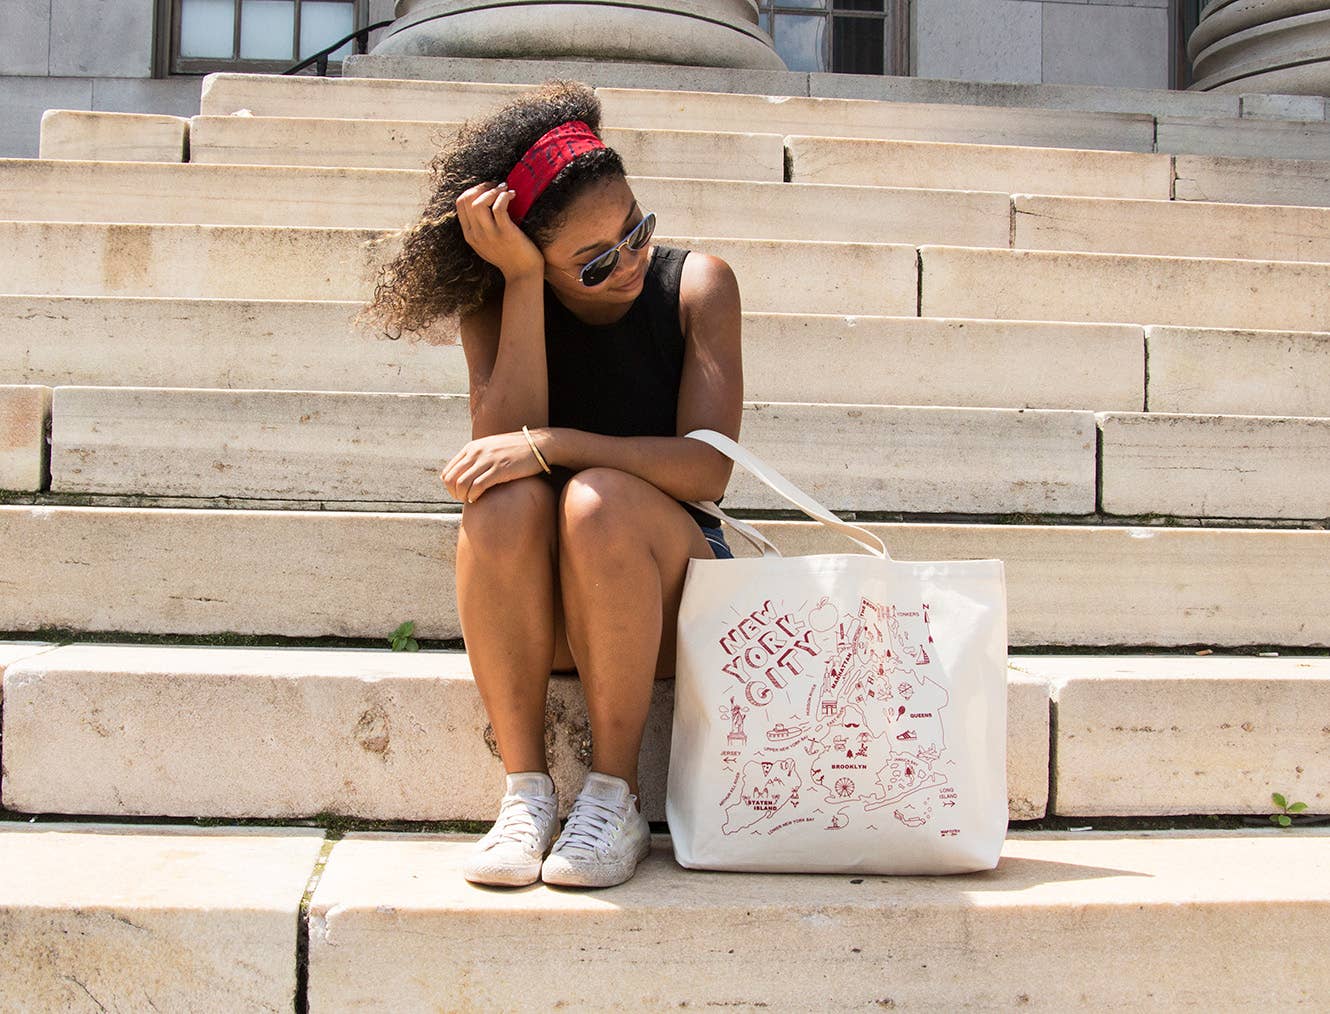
(599, 270)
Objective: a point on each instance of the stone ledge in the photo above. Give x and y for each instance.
(293, 732)
(887, 88)
(167, 917)
(1251, 180)
(373, 734)
(1135, 735)
(1257, 138)
(25, 417)
(946, 361)
(124, 137)
(1142, 919)
(228, 344)
(275, 95)
(269, 572)
(1186, 291)
(1215, 465)
(1155, 919)
(410, 144)
(238, 262)
(307, 263)
(1162, 228)
(366, 446)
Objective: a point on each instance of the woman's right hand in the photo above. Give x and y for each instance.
(483, 212)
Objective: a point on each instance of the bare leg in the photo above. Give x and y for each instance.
(623, 548)
(506, 561)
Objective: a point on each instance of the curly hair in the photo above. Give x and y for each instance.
(436, 273)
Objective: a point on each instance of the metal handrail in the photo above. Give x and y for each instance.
(361, 35)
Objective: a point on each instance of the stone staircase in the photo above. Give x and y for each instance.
(1102, 335)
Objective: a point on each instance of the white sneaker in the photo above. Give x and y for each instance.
(511, 852)
(603, 839)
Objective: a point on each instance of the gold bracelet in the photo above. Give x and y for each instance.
(536, 450)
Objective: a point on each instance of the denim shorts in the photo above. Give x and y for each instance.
(716, 539)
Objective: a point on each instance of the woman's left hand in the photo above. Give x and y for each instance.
(488, 461)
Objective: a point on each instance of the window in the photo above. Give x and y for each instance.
(253, 35)
(841, 36)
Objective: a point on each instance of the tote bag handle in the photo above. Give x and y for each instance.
(758, 540)
(787, 489)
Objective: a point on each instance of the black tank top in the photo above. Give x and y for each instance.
(620, 379)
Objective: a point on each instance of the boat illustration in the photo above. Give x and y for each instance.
(779, 733)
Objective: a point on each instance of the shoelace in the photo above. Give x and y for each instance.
(591, 824)
(520, 818)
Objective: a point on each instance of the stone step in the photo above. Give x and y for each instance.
(1247, 372)
(1058, 171)
(1066, 919)
(776, 276)
(302, 196)
(369, 98)
(1170, 228)
(316, 445)
(156, 916)
(94, 728)
(192, 569)
(194, 193)
(190, 194)
(284, 262)
(225, 343)
(25, 419)
(409, 144)
(372, 143)
(125, 729)
(1245, 138)
(850, 161)
(175, 916)
(1236, 466)
(127, 137)
(377, 447)
(1268, 132)
(1172, 131)
(1251, 180)
(888, 88)
(1188, 291)
(1135, 734)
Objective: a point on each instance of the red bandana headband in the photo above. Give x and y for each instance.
(543, 160)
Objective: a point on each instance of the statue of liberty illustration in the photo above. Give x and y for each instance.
(735, 713)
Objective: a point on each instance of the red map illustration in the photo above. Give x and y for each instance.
(832, 718)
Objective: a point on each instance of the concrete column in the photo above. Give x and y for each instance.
(1269, 46)
(705, 33)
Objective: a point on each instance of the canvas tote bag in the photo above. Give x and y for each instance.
(840, 713)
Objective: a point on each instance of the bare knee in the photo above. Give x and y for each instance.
(592, 503)
(510, 518)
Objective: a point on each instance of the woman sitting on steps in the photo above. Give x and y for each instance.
(590, 351)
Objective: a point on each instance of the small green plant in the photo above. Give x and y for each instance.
(402, 640)
(1282, 819)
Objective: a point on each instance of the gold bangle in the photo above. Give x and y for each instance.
(536, 450)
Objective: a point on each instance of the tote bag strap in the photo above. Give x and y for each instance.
(758, 540)
(785, 488)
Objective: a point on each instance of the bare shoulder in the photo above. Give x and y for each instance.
(707, 287)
